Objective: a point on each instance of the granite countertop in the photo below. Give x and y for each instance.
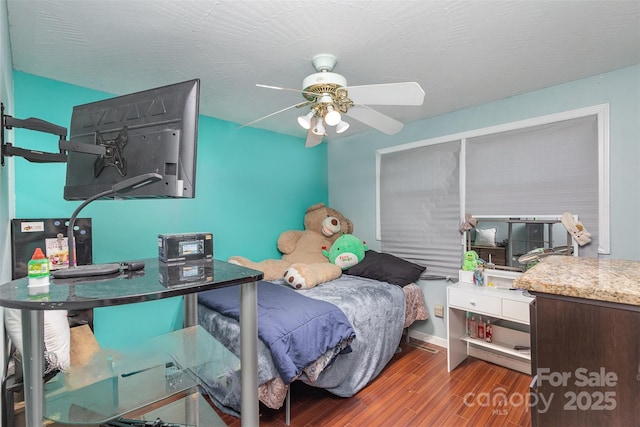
(610, 280)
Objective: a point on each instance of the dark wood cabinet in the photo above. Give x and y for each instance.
(498, 253)
(586, 362)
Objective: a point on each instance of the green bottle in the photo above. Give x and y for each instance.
(38, 273)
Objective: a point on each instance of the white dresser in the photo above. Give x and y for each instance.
(508, 311)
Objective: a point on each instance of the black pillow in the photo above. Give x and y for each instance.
(386, 268)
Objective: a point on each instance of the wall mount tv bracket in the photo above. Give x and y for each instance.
(113, 153)
(36, 156)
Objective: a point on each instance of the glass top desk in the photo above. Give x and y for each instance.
(128, 288)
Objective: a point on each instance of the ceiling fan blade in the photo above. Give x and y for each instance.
(301, 104)
(375, 119)
(313, 139)
(407, 93)
(288, 89)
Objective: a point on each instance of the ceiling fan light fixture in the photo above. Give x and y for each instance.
(342, 126)
(329, 97)
(318, 129)
(332, 117)
(305, 121)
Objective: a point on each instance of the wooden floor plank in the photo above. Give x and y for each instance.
(414, 390)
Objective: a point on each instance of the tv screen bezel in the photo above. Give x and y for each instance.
(166, 116)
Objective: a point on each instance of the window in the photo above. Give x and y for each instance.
(420, 204)
(541, 166)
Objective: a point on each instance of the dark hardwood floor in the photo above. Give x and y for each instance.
(414, 390)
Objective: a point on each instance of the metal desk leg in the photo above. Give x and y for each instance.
(33, 366)
(190, 310)
(509, 245)
(249, 353)
(191, 319)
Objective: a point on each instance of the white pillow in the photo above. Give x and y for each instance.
(57, 335)
(485, 237)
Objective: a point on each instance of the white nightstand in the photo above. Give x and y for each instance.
(508, 311)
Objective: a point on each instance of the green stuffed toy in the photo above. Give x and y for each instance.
(346, 251)
(470, 261)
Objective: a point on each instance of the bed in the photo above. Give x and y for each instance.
(361, 323)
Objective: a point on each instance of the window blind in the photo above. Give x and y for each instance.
(542, 170)
(420, 206)
(547, 167)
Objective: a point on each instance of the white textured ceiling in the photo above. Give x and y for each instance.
(462, 53)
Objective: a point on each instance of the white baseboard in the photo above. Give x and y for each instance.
(431, 339)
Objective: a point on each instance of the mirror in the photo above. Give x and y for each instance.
(518, 242)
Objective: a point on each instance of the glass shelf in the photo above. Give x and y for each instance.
(115, 383)
(192, 410)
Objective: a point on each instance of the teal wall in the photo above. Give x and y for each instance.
(621, 89)
(238, 175)
(251, 186)
(6, 172)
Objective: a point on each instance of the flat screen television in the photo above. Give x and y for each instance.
(115, 139)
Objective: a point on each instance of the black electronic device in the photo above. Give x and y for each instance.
(153, 131)
(177, 247)
(97, 269)
(86, 271)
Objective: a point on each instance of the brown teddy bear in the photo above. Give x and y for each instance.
(303, 265)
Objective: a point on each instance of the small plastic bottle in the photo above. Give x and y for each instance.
(481, 329)
(488, 332)
(474, 327)
(38, 273)
(468, 324)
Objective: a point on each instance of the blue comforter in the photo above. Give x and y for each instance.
(309, 329)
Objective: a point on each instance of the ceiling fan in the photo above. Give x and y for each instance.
(328, 96)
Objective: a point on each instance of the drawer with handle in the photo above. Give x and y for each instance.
(476, 302)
